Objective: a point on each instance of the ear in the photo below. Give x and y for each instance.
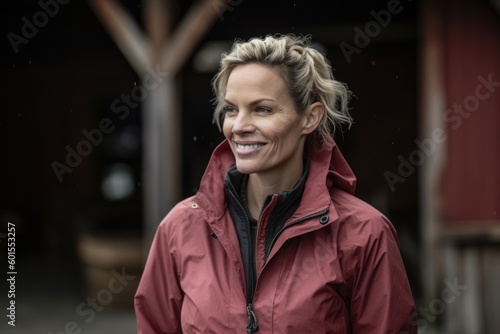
(312, 117)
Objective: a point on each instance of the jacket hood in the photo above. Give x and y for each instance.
(329, 159)
(328, 168)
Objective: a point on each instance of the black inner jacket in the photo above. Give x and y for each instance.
(246, 226)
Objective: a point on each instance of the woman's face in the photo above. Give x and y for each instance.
(265, 132)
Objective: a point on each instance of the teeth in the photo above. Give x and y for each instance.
(248, 147)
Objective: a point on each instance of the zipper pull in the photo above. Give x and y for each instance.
(252, 325)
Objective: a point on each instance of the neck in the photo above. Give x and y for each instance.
(260, 185)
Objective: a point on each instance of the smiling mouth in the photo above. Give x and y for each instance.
(250, 147)
(245, 149)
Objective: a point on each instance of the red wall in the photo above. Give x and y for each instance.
(471, 177)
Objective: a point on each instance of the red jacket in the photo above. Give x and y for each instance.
(337, 274)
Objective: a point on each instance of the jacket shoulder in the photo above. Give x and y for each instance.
(359, 217)
(373, 268)
(183, 213)
(362, 230)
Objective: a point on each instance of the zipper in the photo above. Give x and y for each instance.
(317, 214)
(252, 324)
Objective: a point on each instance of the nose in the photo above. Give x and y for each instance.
(243, 123)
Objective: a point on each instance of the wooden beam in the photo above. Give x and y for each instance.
(158, 22)
(162, 158)
(125, 32)
(193, 27)
(433, 104)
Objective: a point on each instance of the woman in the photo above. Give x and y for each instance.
(274, 241)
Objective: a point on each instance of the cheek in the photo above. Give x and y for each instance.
(286, 134)
(226, 129)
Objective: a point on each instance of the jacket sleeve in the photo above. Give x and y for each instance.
(158, 298)
(381, 299)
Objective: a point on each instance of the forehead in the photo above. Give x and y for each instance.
(255, 79)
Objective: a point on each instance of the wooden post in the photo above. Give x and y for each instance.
(431, 110)
(167, 50)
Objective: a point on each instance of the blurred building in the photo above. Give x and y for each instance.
(460, 185)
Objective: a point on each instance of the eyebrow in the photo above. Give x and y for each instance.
(254, 102)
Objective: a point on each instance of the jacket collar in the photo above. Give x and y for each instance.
(327, 169)
(236, 182)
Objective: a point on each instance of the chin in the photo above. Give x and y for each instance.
(245, 168)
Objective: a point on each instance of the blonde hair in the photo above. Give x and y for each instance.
(306, 72)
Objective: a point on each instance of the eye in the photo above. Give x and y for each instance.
(228, 109)
(263, 110)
